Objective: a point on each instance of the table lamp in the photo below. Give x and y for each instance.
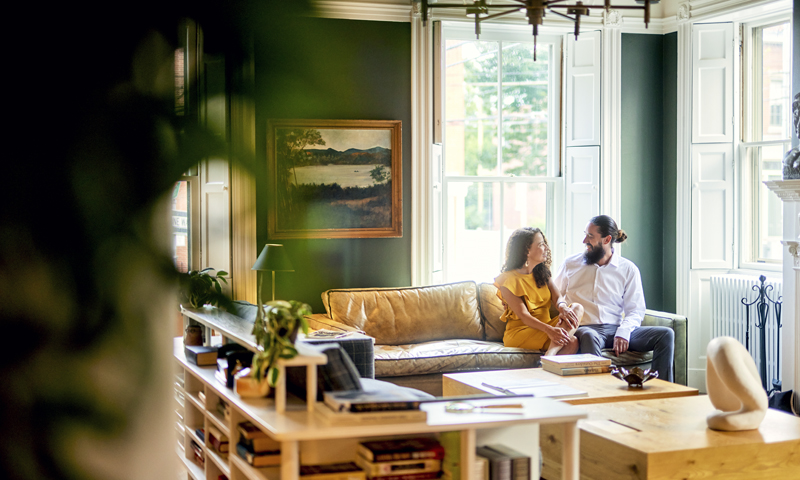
(272, 258)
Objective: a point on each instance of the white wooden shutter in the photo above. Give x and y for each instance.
(712, 83)
(582, 177)
(712, 205)
(215, 215)
(583, 89)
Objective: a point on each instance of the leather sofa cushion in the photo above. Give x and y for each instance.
(399, 316)
(491, 310)
(450, 356)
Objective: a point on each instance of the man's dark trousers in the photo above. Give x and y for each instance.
(661, 340)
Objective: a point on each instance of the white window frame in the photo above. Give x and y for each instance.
(748, 254)
(554, 182)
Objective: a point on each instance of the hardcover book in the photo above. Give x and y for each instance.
(200, 355)
(249, 431)
(520, 463)
(577, 360)
(261, 445)
(499, 463)
(361, 418)
(410, 476)
(370, 401)
(258, 459)
(401, 449)
(332, 471)
(398, 467)
(575, 370)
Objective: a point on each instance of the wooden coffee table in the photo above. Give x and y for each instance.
(669, 439)
(602, 388)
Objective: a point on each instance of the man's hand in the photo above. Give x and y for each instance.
(567, 315)
(620, 346)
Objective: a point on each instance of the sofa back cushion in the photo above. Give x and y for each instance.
(400, 316)
(491, 310)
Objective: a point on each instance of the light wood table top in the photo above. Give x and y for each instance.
(669, 438)
(602, 387)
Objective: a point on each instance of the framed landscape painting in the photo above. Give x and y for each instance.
(335, 178)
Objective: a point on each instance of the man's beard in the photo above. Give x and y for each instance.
(593, 255)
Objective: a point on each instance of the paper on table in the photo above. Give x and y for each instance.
(538, 389)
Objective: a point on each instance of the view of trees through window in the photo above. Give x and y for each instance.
(498, 157)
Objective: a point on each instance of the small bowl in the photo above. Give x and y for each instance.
(635, 377)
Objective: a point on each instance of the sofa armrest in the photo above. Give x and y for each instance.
(320, 321)
(678, 323)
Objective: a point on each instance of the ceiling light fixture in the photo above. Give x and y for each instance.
(535, 11)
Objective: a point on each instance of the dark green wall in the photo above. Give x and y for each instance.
(341, 69)
(670, 169)
(642, 155)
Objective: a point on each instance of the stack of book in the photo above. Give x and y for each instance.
(201, 355)
(505, 463)
(353, 407)
(218, 440)
(578, 364)
(418, 458)
(332, 471)
(256, 447)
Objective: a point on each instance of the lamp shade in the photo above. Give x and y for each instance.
(273, 257)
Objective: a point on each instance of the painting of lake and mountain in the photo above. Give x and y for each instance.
(333, 178)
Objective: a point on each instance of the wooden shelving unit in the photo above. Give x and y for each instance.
(307, 438)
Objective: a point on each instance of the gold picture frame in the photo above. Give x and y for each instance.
(335, 179)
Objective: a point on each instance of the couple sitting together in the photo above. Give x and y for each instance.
(598, 295)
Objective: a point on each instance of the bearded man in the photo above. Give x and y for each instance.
(610, 289)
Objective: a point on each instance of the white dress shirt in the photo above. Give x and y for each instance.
(610, 294)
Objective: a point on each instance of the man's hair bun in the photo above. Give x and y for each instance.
(621, 236)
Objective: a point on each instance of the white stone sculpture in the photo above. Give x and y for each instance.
(733, 386)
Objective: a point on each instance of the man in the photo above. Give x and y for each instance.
(610, 289)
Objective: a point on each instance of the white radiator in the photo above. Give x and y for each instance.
(729, 317)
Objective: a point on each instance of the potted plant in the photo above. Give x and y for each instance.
(275, 329)
(201, 287)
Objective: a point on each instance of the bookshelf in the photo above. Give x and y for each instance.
(306, 437)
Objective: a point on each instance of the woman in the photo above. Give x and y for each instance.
(527, 291)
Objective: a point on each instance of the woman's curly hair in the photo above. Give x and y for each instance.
(519, 243)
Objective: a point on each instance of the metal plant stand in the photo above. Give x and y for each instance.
(762, 303)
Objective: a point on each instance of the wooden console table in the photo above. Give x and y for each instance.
(307, 438)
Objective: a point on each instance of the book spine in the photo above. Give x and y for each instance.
(401, 467)
(381, 406)
(410, 476)
(435, 453)
(591, 363)
(360, 475)
(580, 370)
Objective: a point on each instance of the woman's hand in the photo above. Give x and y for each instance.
(558, 336)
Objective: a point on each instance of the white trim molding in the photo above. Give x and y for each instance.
(380, 12)
(421, 139)
(611, 108)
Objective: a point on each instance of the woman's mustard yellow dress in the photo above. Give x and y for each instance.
(537, 299)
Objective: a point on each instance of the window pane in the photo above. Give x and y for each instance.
(525, 115)
(180, 226)
(525, 206)
(471, 96)
(769, 207)
(773, 64)
(476, 238)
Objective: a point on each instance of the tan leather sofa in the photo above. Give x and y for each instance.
(423, 332)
